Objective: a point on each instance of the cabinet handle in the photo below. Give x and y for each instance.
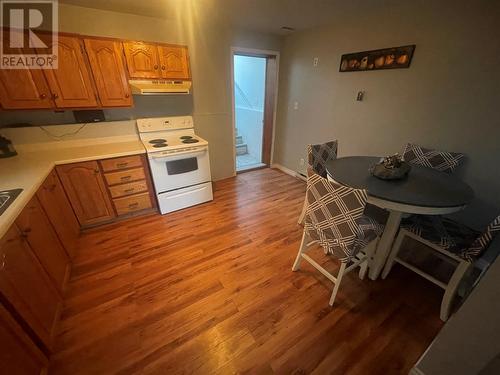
(125, 178)
(133, 205)
(127, 95)
(55, 96)
(96, 171)
(50, 187)
(24, 232)
(4, 262)
(129, 190)
(156, 67)
(121, 165)
(163, 67)
(43, 96)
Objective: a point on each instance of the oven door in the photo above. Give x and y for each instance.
(180, 169)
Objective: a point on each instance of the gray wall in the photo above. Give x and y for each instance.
(448, 99)
(209, 38)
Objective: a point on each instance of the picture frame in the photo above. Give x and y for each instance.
(378, 59)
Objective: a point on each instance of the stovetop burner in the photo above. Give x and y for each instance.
(158, 145)
(190, 140)
(159, 140)
(186, 137)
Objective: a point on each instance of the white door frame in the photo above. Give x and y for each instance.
(256, 53)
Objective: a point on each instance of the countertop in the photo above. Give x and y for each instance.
(29, 169)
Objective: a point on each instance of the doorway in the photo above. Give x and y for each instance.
(254, 78)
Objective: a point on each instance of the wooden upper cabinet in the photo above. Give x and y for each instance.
(24, 88)
(71, 83)
(174, 62)
(108, 68)
(142, 60)
(27, 287)
(56, 205)
(87, 192)
(40, 235)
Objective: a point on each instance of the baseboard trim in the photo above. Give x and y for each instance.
(288, 171)
(416, 371)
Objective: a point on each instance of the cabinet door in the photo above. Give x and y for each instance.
(24, 89)
(19, 354)
(56, 205)
(142, 60)
(71, 83)
(174, 62)
(37, 230)
(87, 192)
(27, 287)
(108, 68)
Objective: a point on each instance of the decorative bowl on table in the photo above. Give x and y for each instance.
(391, 167)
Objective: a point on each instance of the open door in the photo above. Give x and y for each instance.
(254, 104)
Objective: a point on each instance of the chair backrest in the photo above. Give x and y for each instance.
(319, 155)
(477, 248)
(439, 160)
(331, 216)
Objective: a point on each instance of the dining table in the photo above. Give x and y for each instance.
(423, 191)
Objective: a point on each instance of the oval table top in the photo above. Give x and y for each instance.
(423, 187)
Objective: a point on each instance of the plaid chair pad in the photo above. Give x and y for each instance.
(334, 217)
(451, 236)
(440, 160)
(319, 155)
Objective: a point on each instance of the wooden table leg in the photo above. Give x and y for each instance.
(385, 244)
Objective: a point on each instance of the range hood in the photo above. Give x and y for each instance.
(157, 87)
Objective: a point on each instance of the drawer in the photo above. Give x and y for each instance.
(133, 161)
(133, 203)
(123, 177)
(128, 189)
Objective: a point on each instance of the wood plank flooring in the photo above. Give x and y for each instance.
(209, 290)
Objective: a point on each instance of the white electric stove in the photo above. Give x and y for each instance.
(179, 161)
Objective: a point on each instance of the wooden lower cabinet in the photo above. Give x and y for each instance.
(18, 355)
(86, 190)
(41, 237)
(26, 286)
(58, 209)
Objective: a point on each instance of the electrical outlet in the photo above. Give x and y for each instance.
(302, 162)
(295, 105)
(315, 61)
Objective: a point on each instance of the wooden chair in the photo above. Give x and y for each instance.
(451, 241)
(440, 160)
(317, 157)
(334, 219)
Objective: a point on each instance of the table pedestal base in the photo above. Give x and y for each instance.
(385, 244)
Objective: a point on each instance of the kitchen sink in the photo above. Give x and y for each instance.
(7, 197)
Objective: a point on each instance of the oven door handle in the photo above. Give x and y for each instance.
(175, 154)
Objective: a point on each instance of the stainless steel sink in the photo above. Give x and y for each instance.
(7, 197)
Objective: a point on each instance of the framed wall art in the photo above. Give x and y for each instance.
(387, 58)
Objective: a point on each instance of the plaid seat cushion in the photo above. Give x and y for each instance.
(445, 233)
(440, 160)
(334, 217)
(319, 155)
(482, 242)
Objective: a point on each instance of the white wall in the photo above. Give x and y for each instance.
(448, 98)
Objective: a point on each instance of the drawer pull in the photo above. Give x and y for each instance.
(133, 205)
(4, 260)
(125, 178)
(121, 165)
(131, 190)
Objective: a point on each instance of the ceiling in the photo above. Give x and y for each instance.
(266, 16)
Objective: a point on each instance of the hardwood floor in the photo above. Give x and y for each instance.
(210, 289)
